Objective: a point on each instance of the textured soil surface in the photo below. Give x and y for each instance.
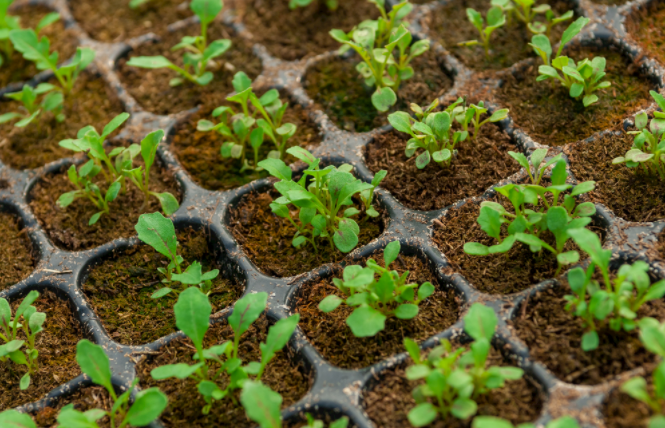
(16, 261)
(87, 398)
(622, 411)
(646, 26)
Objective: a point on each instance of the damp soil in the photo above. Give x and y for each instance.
(550, 116)
(338, 89)
(629, 192)
(16, 252)
(478, 166)
(329, 332)
(91, 102)
(620, 410)
(646, 27)
(84, 399)
(57, 354)
(199, 152)
(283, 375)
(302, 32)
(150, 88)
(68, 227)
(390, 401)
(119, 289)
(266, 238)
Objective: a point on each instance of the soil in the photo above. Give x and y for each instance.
(62, 41)
(68, 227)
(479, 165)
(199, 152)
(620, 410)
(629, 192)
(390, 401)
(302, 32)
(646, 27)
(16, 252)
(57, 354)
(661, 245)
(549, 115)
(283, 375)
(120, 288)
(150, 88)
(87, 398)
(91, 102)
(329, 332)
(266, 238)
(339, 90)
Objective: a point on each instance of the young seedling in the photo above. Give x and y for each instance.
(158, 232)
(581, 79)
(375, 42)
(494, 422)
(648, 148)
(147, 405)
(495, 19)
(331, 4)
(616, 305)
(21, 351)
(320, 195)
(534, 167)
(471, 115)
(51, 102)
(342, 422)
(367, 195)
(199, 55)
(9, 23)
(455, 379)
(551, 20)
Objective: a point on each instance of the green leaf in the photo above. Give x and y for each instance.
(568, 258)
(572, 30)
(463, 408)
(490, 422)
(490, 222)
(346, 236)
(423, 159)
(168, 202)
(246, 311)
(206, 10)
(278, 336)
(180, 371)
(158, 232)
(276, 168)
(261, 404)
(147, 407)
(161, 293)
(590, 341)
(391, 252)
(366, 321)
(401, 121)
(476, 249)
(330, 303)
(151, 62)
(406, 311)
(383, 99)
(25, 382)
(93, 361)
(192, 315)
(423, 414)
(480, 322)
(15, 419)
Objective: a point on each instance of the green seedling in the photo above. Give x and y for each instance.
(367, 195)
(648, 148)
(10, 22)
(147, 405)
(158, 231)
(243, 128)
(199, 55)
(320, 195)
(454, 379)
(495, 19)
(14, 418)
(551, 20)
(21, 351)
(494, 422)
(192, 313)
(534, 166)
(616, 305)
(51, 102)
(375, 299)
(581, 79)
(135, 4)
(331, 4)
(342, 422)
(471, 115)
(376, 41)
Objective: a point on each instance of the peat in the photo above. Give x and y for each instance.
(84, 399)
(16, 252)
(622, 411)
(646, 27)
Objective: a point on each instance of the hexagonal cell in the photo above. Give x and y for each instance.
(302, 32)
(549, 115)
(68, 228)
(284, 374)
(151, 89)
(83, 399)
(329, 333)
(630, 193)
(646, 26)
(620, 410)
(16, 252)
(57, 353)
(91, 102)
(199, 152)
(338, 89)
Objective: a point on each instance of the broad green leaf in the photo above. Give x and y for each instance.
(246, 311)
(366, 321)
(147, 407)
(278, 336)
(261, 404)
(383, 99)
(93, 361)
(391, 252)
(206, 10)
(180, 371)
(480, 322)
(423, 414)
(192, 315)
(330, 303)
(346, 236)
(15, 419)
(149, 62)
(406, 311)
(158, 232)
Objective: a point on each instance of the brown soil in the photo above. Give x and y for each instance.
(479, 164)
(629, 192)
(151, 88)
(303, 32)
(92, 102)
(389, 402)
(329, 332)
(266, 238)
(509, 44)
(199, 152)
(91, 397)
(549, 115)
(15, 252)
(62, 41)
(110, 21)
(120, 288)
(610, 2)
(68, 227)
(620, 410)
(661, 245)
(57, 354)
(337, 88)
(282, 375)
(646, 26)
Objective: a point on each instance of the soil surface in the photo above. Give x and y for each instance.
(620, 410)
(390, 401)
(120, 288)
(282, 375)
(91, 102)
(329, 332)
(16, 252)
(629, 192)
(339, 90)
(87, 398)
(68, 227)
(199, 152)
(479, 165)
(646, 26)
(549, 115)
(57, 354)
(301, 32)
(150, 88)
(266, 238)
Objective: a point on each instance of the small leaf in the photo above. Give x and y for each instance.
(366, 321)
(383, 99)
